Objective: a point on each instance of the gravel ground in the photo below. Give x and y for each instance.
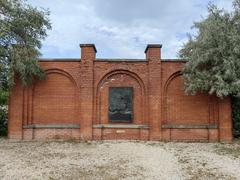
(118, 160)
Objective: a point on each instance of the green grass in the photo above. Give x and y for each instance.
(233, 151)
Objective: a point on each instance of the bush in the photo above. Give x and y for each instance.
(3, 120)
(236, 116)
(3, 112)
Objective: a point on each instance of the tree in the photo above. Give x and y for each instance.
(213, 57)
(22, 27)
(213, 54)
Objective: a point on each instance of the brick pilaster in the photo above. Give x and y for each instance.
(153, 56)
(88, 54)
(225, 120)
(15, 111)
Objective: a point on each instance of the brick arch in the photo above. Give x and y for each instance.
(179, 108)
(120, 78)
(55, 99)
(62, 72)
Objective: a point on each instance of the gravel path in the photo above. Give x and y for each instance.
(118, 160)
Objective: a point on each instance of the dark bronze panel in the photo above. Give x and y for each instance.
(120, 104)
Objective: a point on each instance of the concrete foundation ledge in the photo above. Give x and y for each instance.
(52, 126)
(121, 126)
(171, 126)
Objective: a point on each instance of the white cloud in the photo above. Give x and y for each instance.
(120, 29)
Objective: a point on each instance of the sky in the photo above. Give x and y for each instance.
(121, 28)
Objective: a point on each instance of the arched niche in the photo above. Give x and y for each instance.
(182, 109)
(120, 78)
(55, 99)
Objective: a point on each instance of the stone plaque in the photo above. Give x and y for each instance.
(120, 104)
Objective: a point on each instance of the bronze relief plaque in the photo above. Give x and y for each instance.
(120, 104)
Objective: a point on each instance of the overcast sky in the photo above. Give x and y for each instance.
(120, 28)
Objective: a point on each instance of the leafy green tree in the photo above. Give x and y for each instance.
(213, 54)
(213, 57)
(22, 27)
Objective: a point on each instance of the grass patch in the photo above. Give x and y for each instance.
(233, 151)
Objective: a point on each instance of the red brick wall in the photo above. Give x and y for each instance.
(54, 100)
(74, 98)
(185, 109)
(120, 78)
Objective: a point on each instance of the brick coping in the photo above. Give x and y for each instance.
(121, 126)
(172, 126)
(107, 60)
(52, 126)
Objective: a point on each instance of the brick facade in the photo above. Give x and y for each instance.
(73, 101)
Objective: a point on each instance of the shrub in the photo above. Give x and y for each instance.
(3, 120)
(236, 116)
(3, 112)
(3, 97)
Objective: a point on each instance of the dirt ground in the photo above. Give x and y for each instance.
(118, 160)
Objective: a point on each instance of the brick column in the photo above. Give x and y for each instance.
(15, 111)
(153, 56)
(88, 55)
(225, 120)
